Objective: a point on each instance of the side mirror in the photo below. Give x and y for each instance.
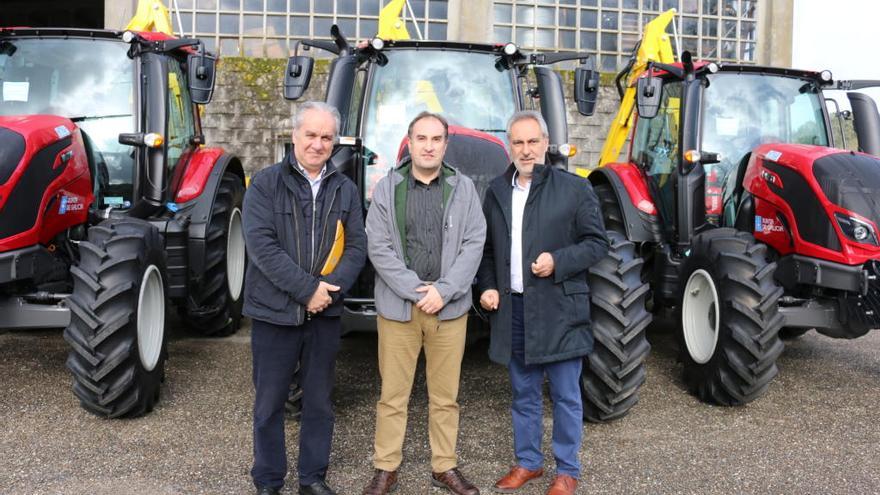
(649, 91)
(297, 76)
(201, 69)
(586, 88)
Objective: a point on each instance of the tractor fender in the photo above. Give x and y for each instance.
(636, 206)
(199, 187)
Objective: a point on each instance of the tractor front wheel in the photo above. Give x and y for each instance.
(117, 324)
(729, 317)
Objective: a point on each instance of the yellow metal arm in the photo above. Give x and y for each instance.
(391, 25)
(655, 47)
(151, 15)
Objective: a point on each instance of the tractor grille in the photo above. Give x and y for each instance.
(22, 207)
(851, 181)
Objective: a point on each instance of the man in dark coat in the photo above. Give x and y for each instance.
(544, 232)
(296, 216)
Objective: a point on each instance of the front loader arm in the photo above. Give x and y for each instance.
(655, 46)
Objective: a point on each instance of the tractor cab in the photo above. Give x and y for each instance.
(92, 83)
(734, 110)
(92, 79)
(380, 86)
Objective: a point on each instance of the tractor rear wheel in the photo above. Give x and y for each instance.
(615, 370)
(214, 304)
(117, 324)
(730, 318)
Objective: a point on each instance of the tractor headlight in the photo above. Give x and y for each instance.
(856, 229)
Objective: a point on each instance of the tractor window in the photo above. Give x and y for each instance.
(742, 111)
(807, 120)
(357, 95)
(655, 147)
(90, 81)
(180, 115)
(465, 87)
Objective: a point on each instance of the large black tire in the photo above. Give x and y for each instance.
(117, 324)
(215, 301)
(730, 319)
(615, 370)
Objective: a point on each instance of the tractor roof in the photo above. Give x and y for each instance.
(107, 34)
(444, 45)
(701, 66)
(29, 32)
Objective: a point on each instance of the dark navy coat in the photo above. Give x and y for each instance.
(288, 239)
(561, 217)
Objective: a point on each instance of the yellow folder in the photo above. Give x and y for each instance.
(335, 251)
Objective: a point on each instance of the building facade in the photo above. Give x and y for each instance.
(720, 30)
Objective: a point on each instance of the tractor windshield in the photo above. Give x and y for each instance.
(90, 81)
(741, 111)
(465, 87)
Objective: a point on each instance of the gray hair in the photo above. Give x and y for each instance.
(528, 115)
(316, 105)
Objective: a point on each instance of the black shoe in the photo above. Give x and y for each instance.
(316, 488)
(265, 490)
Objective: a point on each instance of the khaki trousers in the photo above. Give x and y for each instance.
(399, 348)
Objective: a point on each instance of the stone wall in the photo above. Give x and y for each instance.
(249, 117)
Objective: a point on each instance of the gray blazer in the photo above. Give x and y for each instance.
(464, 232)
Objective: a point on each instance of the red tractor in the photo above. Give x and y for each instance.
(111, 207)
(750, 222)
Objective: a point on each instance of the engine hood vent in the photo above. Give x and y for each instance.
(851, 181)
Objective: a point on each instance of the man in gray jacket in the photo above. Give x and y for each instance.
(425, 234)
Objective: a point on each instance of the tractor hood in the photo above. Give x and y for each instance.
(45, 185)
(834, 194)
(851, 181)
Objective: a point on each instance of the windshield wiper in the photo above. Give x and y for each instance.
(98, 117)
(491, 130)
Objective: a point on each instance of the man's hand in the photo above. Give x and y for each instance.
(489, 299)
(543, 266)
(431, 303)
(321, 298)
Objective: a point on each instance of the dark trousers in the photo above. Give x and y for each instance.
(276, 350)
(527, 409)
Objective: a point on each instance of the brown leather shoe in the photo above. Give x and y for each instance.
(563, 484)
(455, 482)
(517, 478)
(383, 482)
